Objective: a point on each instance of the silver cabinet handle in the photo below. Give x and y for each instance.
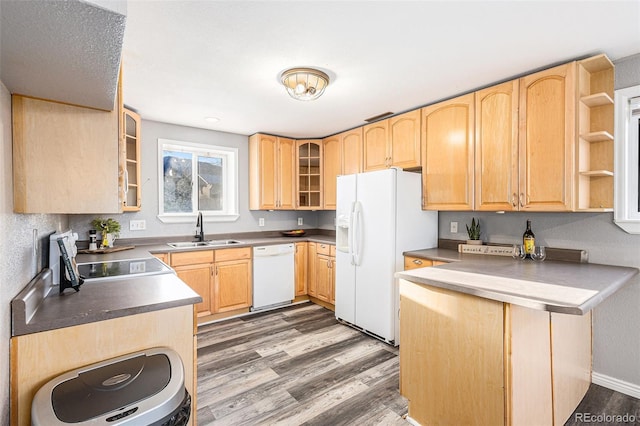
(514, 200)
(417, 261)
(521, 199)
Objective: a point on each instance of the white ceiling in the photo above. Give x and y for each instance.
(187, 60)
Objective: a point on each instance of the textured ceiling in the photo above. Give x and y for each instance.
(68, 51)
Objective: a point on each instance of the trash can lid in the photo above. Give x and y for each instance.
(108, 388)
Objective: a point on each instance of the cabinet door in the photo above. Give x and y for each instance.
(447, 154)
(263, 172)
(547, 133)
(130, 160)
(323, 277)
(65, 158)
(332, 167)
(312, 287)
(232, 285)
(496, 166)
(352, 151)
(374, 145)
(404, 135)
(286, 174)
(301, 268)
(198, 277)
(309, 174)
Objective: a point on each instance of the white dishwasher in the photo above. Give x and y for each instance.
(273, 275)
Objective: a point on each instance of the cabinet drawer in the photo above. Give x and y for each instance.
(192, 257)
(416, 262)
(326, 249)
(333, 251)
(233, 254)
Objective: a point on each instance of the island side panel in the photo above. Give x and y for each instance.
(39, 357)
(571, 348)
(529, 366)
(451, 356)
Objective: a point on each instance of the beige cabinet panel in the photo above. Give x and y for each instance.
(332, 168)
(65, 158)
(547, 139)
(496, 155)
(312, 283)
(404, 135)
(352, 151)
(198, 277)
(301, 259)
(271, 172)
(233, 285)
(323, 277)
(374, 145)
(448, 154)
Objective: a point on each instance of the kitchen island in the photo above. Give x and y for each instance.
(490, 340)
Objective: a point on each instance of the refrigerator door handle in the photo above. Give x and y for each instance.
(357, 233)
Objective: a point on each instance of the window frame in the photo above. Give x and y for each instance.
(627, 167)
(230, 176)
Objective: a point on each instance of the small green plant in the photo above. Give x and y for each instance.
(474, 230)
(110, 226)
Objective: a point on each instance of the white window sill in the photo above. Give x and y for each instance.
(193, 218)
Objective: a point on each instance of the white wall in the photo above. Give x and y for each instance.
(18, 264)
(248, 221)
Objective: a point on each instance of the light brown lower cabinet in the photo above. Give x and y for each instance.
(474, 361)
(223, 278)
(301, 259)
(322, 272)
(39, 357)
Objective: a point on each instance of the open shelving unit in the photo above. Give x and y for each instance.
(595, 134)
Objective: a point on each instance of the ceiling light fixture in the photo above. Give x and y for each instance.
(304, 84)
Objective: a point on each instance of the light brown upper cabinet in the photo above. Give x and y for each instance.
(309, 174)
(392, 142)
(547, 139)
(496, 155)
(130, 161)
(448, 154)
(271, 172)
(66, 159)
(595, 134)
(342, 155)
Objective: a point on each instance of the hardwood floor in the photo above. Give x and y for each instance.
(299, 366)
(295, 366)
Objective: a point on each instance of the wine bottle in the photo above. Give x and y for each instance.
(528, 240)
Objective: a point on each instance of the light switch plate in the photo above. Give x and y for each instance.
(137, 225)
(300, 221)
(454, 228)
(261, 221)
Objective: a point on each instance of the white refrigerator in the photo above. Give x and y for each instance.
(378, 217)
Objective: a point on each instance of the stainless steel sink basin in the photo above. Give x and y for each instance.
(210, 243)
(223, 242)
(189, 244)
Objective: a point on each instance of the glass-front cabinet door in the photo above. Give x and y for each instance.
(309, 156)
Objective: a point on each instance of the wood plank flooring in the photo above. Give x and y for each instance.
(295, 366)
(299, 366)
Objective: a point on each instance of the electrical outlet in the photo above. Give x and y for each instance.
(300, 221)
(261, 221)
(137, 225)
(454, 228)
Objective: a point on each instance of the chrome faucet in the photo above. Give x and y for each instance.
(199, 228)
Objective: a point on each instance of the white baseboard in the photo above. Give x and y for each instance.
(617, 385)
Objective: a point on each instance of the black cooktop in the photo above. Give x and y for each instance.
(120, 268)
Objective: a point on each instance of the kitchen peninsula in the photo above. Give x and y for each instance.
(489, 340)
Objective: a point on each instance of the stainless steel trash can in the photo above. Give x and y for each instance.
(142, 388)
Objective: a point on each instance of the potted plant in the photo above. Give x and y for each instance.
(474, 232)
(110, 229)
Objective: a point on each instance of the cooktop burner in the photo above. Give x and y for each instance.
(120, 268)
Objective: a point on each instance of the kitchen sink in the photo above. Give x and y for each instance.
(223, 242)
(210, 243)
(189, 244)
